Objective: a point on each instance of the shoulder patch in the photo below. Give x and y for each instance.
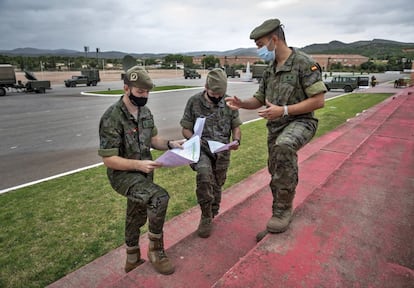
(315, 67)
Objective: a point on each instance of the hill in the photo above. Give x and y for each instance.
(376, 48)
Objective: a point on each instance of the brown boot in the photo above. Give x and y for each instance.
(157, 256)
(205, 226)
(280, 221)
(133, 253)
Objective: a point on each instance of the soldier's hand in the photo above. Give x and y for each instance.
(235, 146)
(271, 111)
(177, 143)
(233, 102)
(147, 166)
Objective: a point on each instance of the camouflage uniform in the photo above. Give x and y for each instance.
(298, 79)
(123, 135)
(212, 167)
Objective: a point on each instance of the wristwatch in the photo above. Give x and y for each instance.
(285, 111)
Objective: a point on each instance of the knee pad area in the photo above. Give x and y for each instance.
(159, 201)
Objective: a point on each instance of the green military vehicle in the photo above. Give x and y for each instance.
(402, 82)
(8, 81)
(191, 73)
(346, 83)
(34, 85)
(257, 70)
(88, 77)
(231, 72)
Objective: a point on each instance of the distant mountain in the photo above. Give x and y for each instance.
(371, 48)
(366, 48)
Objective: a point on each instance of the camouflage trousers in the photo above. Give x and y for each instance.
(283, 160)
(145, 200)
(211, 176)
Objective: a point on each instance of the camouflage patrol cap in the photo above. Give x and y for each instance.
(138, 77)
(217, 81)
(265, 28)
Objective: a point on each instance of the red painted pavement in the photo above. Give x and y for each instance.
(352, 225)
(356, 230)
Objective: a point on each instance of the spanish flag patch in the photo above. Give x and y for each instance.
(315, 67)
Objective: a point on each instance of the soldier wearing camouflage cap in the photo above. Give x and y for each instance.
(221, 123)
(127, 132)
(291, 90)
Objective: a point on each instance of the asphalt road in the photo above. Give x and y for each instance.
(43, 135)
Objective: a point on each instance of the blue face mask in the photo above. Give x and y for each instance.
(265, 54)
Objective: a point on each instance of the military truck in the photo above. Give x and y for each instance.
(34, 85)
(257, 70)
(8, 81)
(231, 72)
(347, 83)
(88, 77)
(402, 82)
(191, 73)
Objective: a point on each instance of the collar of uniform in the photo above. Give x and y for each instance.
(287, 66)
(123, 108)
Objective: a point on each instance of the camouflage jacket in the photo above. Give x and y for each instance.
(220, 119)
(299, 78)
(122, 135)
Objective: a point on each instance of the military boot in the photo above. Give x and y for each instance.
(280, 221)
(157, 256)
(133, 258)
(206, 225)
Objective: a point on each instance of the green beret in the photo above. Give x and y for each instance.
(264, 29)
(217, 81)
(138, 77)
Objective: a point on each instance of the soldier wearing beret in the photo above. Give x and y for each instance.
(291, 90)
(221, 123)
(127, 132)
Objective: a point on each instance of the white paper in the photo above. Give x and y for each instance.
(216, 146)
(179, 157)
(199, 126)
(190, 152)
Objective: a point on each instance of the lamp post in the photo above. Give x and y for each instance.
(97, 57)
(86, 49)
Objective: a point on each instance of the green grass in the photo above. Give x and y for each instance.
(55, 227)
(156, 88)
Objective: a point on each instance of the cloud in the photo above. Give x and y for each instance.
(168, 26)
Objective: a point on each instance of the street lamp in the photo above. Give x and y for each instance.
(97, 58)
(86, 49)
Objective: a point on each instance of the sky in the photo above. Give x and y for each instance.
(178, 26)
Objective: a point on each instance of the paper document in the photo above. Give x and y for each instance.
(190, 153)
(199, 126)
(216, 147)
(179, 157)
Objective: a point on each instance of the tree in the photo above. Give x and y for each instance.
(188, 61)
(210, 61)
